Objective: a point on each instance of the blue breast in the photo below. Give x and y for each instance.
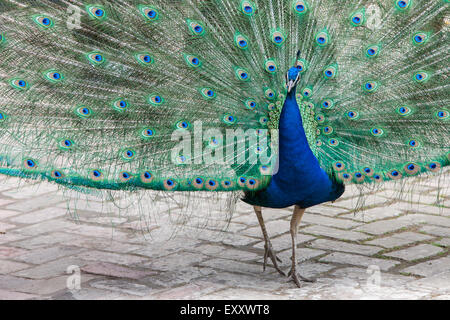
(300, 179)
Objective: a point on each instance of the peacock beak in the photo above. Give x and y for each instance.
(291, 83)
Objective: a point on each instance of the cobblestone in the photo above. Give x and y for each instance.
(396, 247)
(399, 239)
(358, 260)
(345, 247)
(416, 252)
(429, 268)
(334, 233)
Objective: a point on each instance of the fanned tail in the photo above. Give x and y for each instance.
(100, 94)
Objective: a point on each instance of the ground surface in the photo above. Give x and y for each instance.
(393, 249)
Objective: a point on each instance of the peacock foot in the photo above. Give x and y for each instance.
(296, 277)
(269, 252)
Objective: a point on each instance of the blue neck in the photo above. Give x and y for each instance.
(299, 179)
(294, 151)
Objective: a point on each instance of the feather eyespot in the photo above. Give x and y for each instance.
(66, 144)
(320, 118)
(402, 5)
(229, 119)
(370, 86)
(269, 94)
(227, 184)
(434, 166)
(377, 178)
(322, 38)
(147, 133)
(149, 13)
(144, 58)
(127, 154)
(301, 65)
(377, 132)
(330, 72)
(394, 174)
(3, 117)
(265, 170)
(146, 177)
(333, 142)
(368, 171)
(327, 104)
(414, 143)
(359, 177)
(125, 176)
(270, 66)
(346, 177)
(95, 58)
(327, 130)
(242, 181)
(83, 112)
(241, 41)
(421, 77)
(196, 28)
(198, 183)
(43, 21)
(263, 121)
(242, 74)
(248, 7)
(155, 100)
(404, 110)
(411, 168)
(352, 115)
(307, 92)
(53, 76)
(120, 105)
(184, 125)
(170, 184)
(192, 61)
(372, 51)
(300, 7)
(250, 104)
(442, 115)
(96, 12)
(278, 38)
(420, 38)
(19, 84)
(252, 183)
(96, 175)
(339, 166)
(208, 93)
(357, 19)
(57, 174)
(211, 185)
(30, 164)
(182, 159)
(271, 106)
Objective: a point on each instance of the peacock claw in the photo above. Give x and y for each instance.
(296, 277)
(268, 251)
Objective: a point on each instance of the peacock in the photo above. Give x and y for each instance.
(283, 102)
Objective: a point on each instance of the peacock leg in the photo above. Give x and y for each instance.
(295, 221)
(268, 250)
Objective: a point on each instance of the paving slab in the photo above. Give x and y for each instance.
(417, 252)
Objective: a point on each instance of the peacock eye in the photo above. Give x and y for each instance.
(96, 12)
(196, 28)
(248, 7)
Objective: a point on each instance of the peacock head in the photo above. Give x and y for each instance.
(293, 76)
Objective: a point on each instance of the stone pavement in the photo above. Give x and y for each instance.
(59, 245)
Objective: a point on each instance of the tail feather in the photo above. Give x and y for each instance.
(97, 103)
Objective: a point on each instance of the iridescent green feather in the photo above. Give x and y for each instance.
(105, 103)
